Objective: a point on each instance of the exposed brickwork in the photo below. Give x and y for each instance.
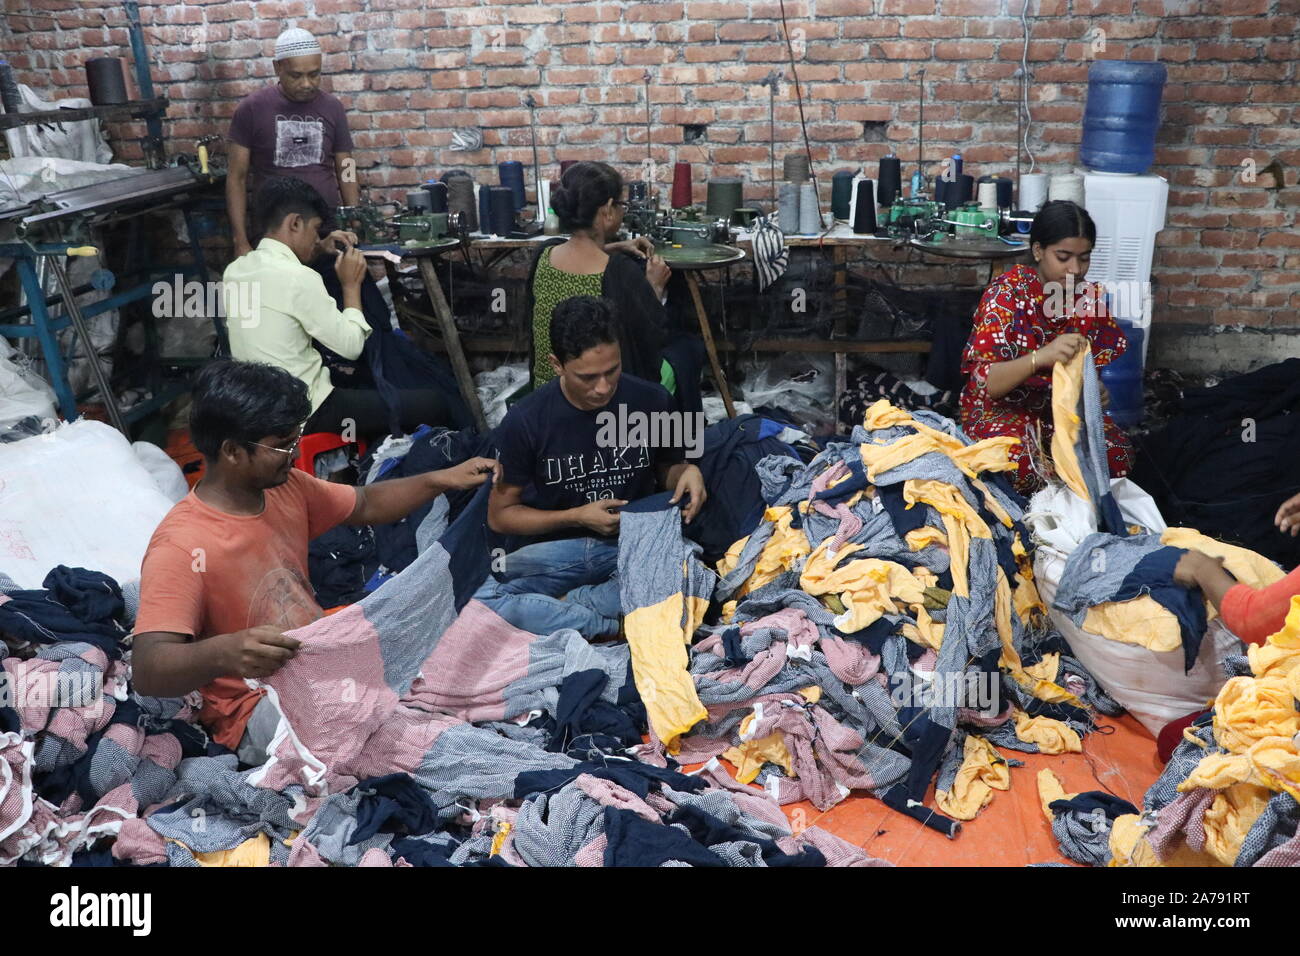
(411, 71)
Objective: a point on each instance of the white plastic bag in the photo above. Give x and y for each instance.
(76, 496)
(1150, 685)
(23, 393)
(495, 386)
(166, 473)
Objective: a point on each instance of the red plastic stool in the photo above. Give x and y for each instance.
(317, 443)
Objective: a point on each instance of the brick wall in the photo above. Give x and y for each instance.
(411, 71)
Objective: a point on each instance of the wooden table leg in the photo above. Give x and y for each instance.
(451, 338)
(840, 261)
(719, 379)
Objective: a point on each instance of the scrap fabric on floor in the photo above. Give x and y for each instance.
(883, 630)
(375, 761)
(1228, 796)
(881, 634)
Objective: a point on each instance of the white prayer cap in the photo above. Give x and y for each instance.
(295, 41)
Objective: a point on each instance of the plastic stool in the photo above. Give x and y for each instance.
(317, 443)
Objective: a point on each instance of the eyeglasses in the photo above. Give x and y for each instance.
(290, 451)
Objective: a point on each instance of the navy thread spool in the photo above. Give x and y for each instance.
(437, 196)
(512, 176)
(842, 193)
(460, 199)
(485, 209)
(419, 201)
(889, 181)
(502, 203)
(1004, 192)
(864, 209)
(965, 188)
(956, 165)
(941, 191)
(9, 95)
(107, 80)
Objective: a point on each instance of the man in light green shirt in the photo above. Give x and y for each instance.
(277, 308)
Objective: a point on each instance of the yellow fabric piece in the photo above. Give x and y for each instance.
(499, 838)
(252, 852)
(1244, 565)
(982, 771)
(881, 414)
(1279, 656)
(869, 587)
(990, 454)
(918, 539)
(1144, 622)
(1231, 815)
(748, 758)
(782, 551)
(812, 694)
(658, 638)
(925, 577)
(1248, 709)
(1052, 736)
(1218, 772)
(729, 560)
(1026, 598)
(927, 630)
(1049, 791)
(1276, 764)
(1002, 620)
(1067, 386)
(960, 522)
(1047, 668)
(1141, 621)
(992, 504)
(879, 459)
(1128, 843)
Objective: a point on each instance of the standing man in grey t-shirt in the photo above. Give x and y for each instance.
(292, 128)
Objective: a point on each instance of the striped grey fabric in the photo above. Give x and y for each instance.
(771, 257)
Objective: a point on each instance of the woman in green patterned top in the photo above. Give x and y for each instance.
(589, 205)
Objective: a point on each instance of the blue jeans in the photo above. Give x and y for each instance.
(583, 570)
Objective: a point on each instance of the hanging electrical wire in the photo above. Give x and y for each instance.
(1024, 85)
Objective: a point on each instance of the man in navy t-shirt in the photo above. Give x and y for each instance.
(572, 454)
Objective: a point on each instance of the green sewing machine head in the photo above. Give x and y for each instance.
(371, 225)
(676, 227)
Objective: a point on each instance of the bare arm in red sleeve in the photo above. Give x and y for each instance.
(1253, 614)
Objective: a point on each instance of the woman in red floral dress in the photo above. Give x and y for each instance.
(1025, 324)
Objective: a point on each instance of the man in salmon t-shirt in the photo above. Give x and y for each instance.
(225, 574)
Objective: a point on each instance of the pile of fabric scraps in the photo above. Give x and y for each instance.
(1123, 588)
(417, 728)
(1228, 796)
(391, 685)
(1118, 585)
(79, 754)
(888, 580)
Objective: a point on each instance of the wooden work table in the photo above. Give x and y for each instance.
(837, 241)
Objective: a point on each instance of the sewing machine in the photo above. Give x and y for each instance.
(403, 225)
(677, 227)
(927, 220)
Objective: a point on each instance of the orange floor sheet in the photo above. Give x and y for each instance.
(1011, 830)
